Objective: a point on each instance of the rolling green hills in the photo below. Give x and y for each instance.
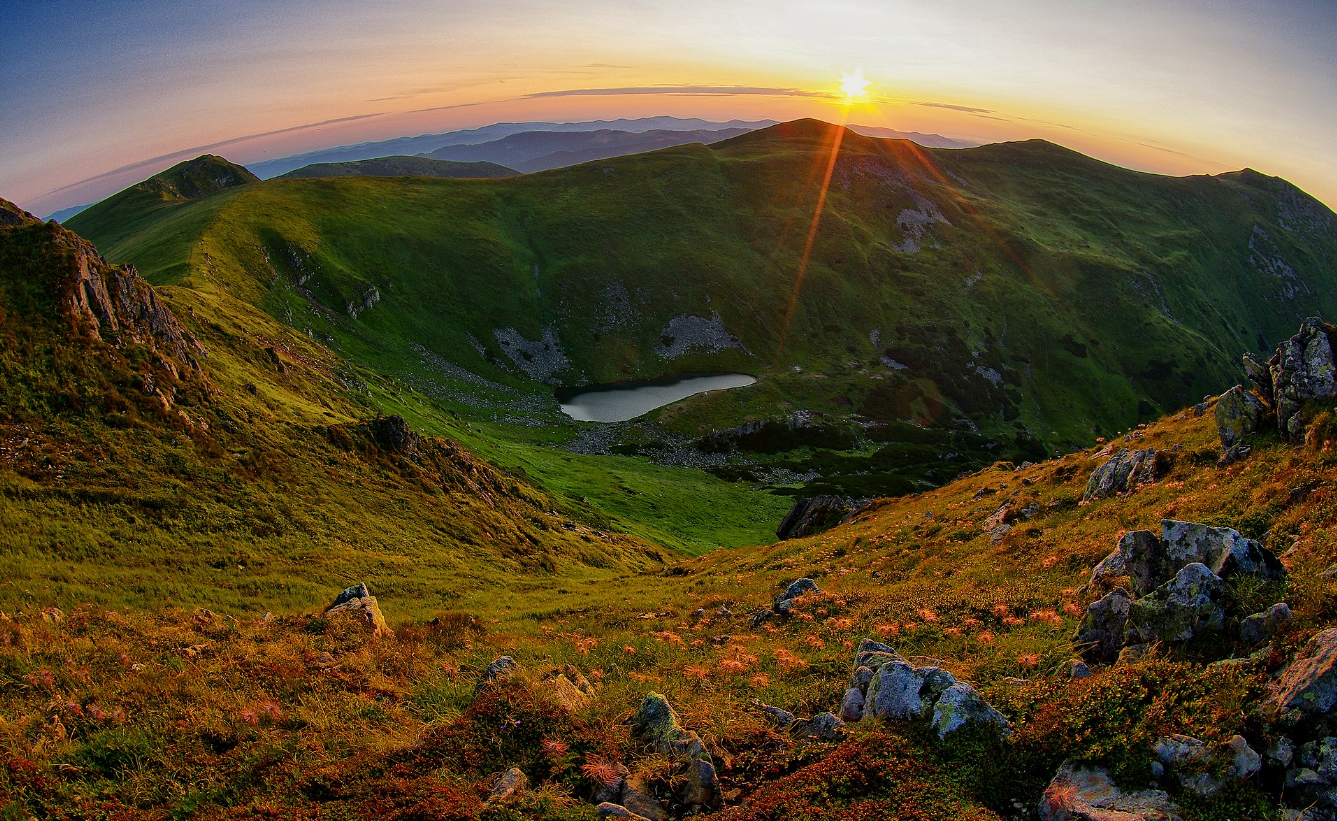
(1013, 298)
(401, 167)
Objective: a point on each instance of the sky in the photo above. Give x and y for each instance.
(99, 94)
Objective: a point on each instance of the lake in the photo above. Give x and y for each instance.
(628, 400)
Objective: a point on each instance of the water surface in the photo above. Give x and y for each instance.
(628, 400)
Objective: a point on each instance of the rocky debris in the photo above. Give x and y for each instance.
(569, 687)
(1185, 607)
(1302, 371)
(610, 810)
(822, 727)
(1233, 454)
(540, 359)
(1261, 627)
(1314, 776)
(685, 332)
(358, 601)
(512, 784)
(1245, 762)
(1309, 682)
(1121, 473)
(815, 514)
(1089, 794)
(1103, 630)
(1187, 757)
(896, 689)
(1259, 376)
(1239, 414)
(503, 667)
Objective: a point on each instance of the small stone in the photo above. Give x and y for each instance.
(1079, 671)
(503, 667)
(637, 797)
(359, 602)
(780, 718)
(1282, 751)
(823, 727)
(1245, 762)
(512, 784)
(861, 678)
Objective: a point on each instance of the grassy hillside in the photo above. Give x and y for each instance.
(223, 714)
(401, 167)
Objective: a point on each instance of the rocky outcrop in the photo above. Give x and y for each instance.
(813, 515)
(1176, 583)
(1090, 794)
(358, 602)
(1121, 473)
(1302, 371)
(893, 688)
(656, 726)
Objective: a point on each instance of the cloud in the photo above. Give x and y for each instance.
(187, 152)
(692, 91)
(967, 109)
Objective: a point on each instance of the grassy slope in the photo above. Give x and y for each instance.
(401, 167)
(305, 719)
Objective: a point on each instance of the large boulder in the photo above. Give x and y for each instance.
(358, 602)
(1089, 794)
(1122, 472)
(1103, 630)
(1185, 607)
(1302, 371)
(896, 689)
(900, 690)
(1309, 682)
(1239, 414)
(1224, 551)
(656, 723)
(1140, 557)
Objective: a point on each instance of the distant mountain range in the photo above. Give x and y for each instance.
(541, 150)
(402, 167)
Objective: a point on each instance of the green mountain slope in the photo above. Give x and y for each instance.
(1020, 290)
(401, 167)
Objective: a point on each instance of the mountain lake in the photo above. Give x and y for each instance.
(628, 400)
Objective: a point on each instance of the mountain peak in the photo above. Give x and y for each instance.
(12, 216)
(206, 174)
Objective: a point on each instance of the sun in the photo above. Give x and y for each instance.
(855, 85)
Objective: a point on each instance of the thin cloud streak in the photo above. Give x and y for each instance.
(693, 90)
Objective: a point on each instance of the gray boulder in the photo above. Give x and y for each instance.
(1184, 607)
(810, 516)
(1261, 627)
(1089, 794)
(1245, 762)
(823, 727)
(1104, 628)
(1309, 682)
(1239, 414)
(960, 705)
(1223, 550)
(1302, 371)
(798, 588)
(1121, 473)
(782, 719)
(639, 799)
(900, 690)
(1140, 557)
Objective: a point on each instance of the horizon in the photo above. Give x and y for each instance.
(1171, 88)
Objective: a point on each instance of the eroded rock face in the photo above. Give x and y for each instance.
(1309, 683)
(1138, 556)
(1302, 370)
(1089, 794)
(1123, 472)
(1102, 632)
(813, 515)
(1239, 414)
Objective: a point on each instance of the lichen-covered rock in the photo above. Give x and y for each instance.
(1122, 472)
(959, 706)
(1239, 414)
(1302, 371)
(1089, 794)
(851, 705)
(1105, 626)
(656, 723)
(1223, 550)
(359, 602)
(1309, 682)
(502, 667)
(900, 690)
(1261, 627)
(1140, 557)
(1181, 609)
(639, 799)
